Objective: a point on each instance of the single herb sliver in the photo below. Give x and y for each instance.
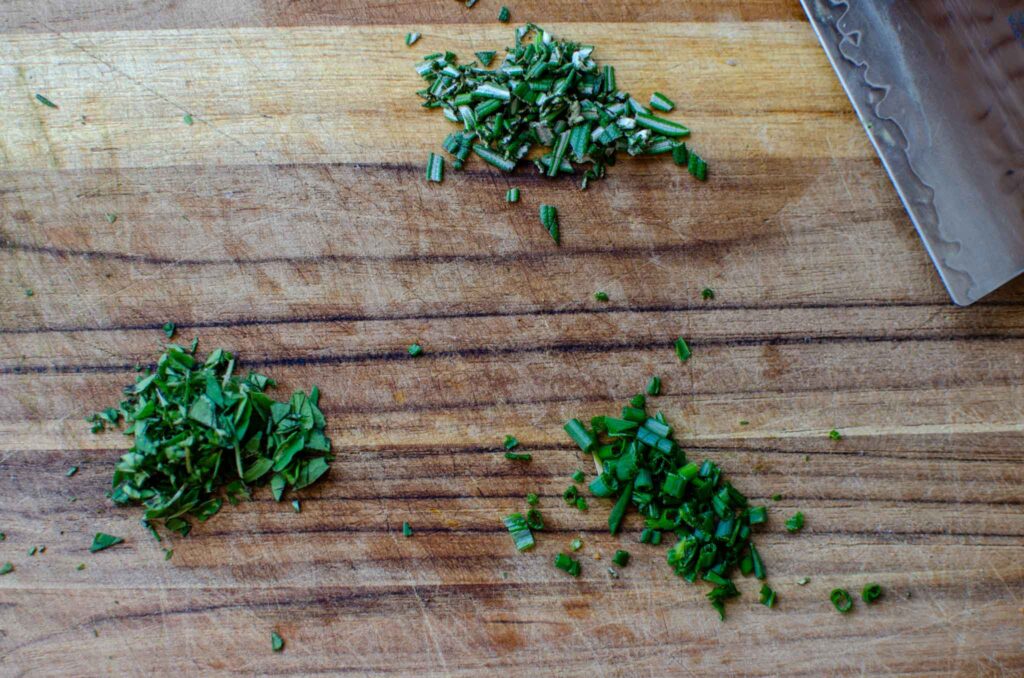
(568, 564)
(795, 523)
(601, 296)
(682, 350)
(510, 442)
(44, 101)
(660, 102)
(276, 642)
(110, 217)
(187, 119)
(415, 350)
(169, 329)
(580, 435)
(103, 541)
(621, 558)
(6, 568)
(767, 596)
(516, 525)
(411, 38)
(707, 293)
(518, 456)
(71, 471)
(435, 168)
(534, 520)
(512, 195)
(80, 567)
(871, 593)
(697, 167)
(503, 15)
(578, 476)
(835, 435)
(532, 499)
(576, 544)
(406, 529)
(842, 600)
(654, 386)
(549, 220)
(485, 57)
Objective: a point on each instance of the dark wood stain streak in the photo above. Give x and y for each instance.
(372, 357)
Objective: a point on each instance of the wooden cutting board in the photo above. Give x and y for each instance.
(291, 223)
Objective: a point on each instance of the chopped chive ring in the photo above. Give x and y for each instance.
(169, 329)
(512, 195)
(406, 529)
(411, 38)
(570, 495)
(534, 520)
(660, 102)
(601, 296)
(842, 600)
(707, 293)
(516, 525)
(767, 596)
(682, 350)
(568, 564)
(503, 15)
(415, 350)
(581, 503)
(518, 456)
(871, 593)
(549, 220)
(435, 168)
(795, 523)
(621, 558)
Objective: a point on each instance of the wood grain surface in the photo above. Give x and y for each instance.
(292, 225)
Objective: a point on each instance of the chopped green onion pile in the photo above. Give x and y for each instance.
(643, 466)
(549, 93)
(199, 428)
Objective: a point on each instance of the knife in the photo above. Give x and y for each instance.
(939, 87)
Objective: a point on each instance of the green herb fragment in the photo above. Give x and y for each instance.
(3, 536)
(744, 422)
(696, 166)
(187, 119)
(110, 217)
(44, 101)
(80, 567)
(510, 442)
(169, 329)
(638, 401)
(200, 429)
(803, 581)
(570, 495)
(516, 525)
(411, 38)
(581, 503)
(549, 220)
(795, 523)
(534, 520)
(682, 350)
(435, 168)
(470, 3)
(532, 499)
(757, 515)
(168, 553)
(103, 541)
(776, 497)
(601, 296)
(503, 15)
(512, 195)
(835, 435)
(576, 544)
(621, 558)
(29, 292)
(296, 506)
(485, 57)
(660, 102)
(871, 593)
(767, 596)
(580, 435)
(71, 471)
(578, 476)
(415, 350)
(406, 529)
(32, 551)
(276, 642)
(842, 600)
(707, 293)
(518, 456)
(654, 386)
(6, 568)
(568, 564)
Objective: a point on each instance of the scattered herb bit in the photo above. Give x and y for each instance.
(835, 435)
(767, 596)
(842, 600)
(110, 217)
(567, 563)
(6, 568)
(276, 642)
(871, 593)
(612, 573)
(650, 536)
(470, 3)
(803, 581)
(757, 515)
(549, 220)
(415, 350)
(198, 427)
(3, 536)
(534, 520)
(638, 401)
(660, 102)
(485, 57)
(516, 525)
(707, 293)
(80, 567)
(697, 167)
(581, 503)
(654, 386)
(71, 471)
(683, 351)
(169, 329)
(103, 541)
(578, 476)
(621, 558)
(518, 456)
(744, 422)
(510, 442)
(512, 195)
(503, 15)
(296, 506)
(570, 494)
(601, 296)
(532, 499)
(435, 168)
(32, 551)
(411, 38)
(44, 101)
(576, 544)
(29, 292)
(776, 497)
(168, 553)
(187, 119)
(795, 523)
(406, 529)
(580, 435)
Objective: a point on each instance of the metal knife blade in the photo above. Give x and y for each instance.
(939, 86)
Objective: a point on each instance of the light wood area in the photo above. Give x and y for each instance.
(292, 225)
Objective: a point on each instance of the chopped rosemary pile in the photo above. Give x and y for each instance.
(551, 93)
(201, 431)
(643, 466)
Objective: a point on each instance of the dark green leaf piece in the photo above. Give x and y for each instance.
(103, 541)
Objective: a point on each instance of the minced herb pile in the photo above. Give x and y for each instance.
(202, 432)
(551, 93)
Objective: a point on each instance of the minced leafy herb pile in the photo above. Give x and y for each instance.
(551, 93)
(200, 428)
(644, 467)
